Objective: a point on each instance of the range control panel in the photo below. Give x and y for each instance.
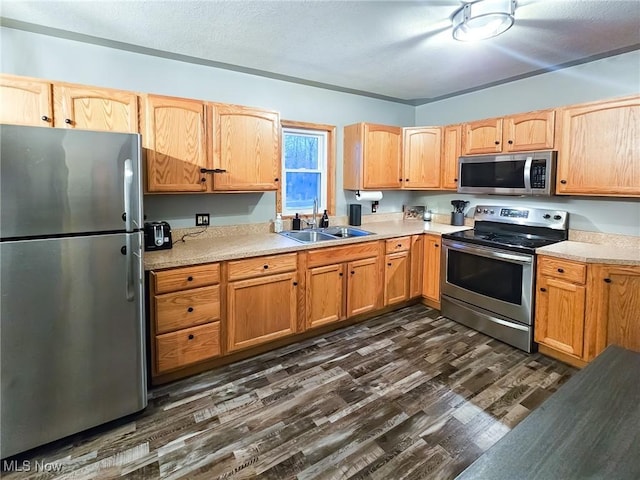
(538, 217)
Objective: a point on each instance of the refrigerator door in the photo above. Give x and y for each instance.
(57, 181)
(72, 344)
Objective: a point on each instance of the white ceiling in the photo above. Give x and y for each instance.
(399, 50)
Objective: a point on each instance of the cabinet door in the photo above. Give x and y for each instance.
(25, 101)
(599, 151)
(362, 286)
(417, 258)
(95, 108)
(396, 278)
(382, 156)
(324, 295)
(431, 273)
(483, 136)
(176, 148)
(247, 146)
(451, 150)
(421, 159)
(529, 131)
(260, 310)
(559, 316)
(614, 302)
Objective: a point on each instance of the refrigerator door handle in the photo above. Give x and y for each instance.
(130, 291)
(128, 188)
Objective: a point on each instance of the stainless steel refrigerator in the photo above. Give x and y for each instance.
(72, 310)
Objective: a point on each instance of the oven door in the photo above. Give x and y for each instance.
(496, 280)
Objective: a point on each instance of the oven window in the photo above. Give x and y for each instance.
(493, 174)
(490, 277)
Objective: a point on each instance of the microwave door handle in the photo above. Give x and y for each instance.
(527, 173)
(483, 252)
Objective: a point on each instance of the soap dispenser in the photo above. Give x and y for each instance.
(277, 225)
(324, 221)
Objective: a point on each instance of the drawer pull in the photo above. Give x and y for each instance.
(436, 245)
(191, 337)
(542, 289)
(265, 266)
(190, 309)
(389, 263)
(561, 270)
(607, 280)
(190, 279)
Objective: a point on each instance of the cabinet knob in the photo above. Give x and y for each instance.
(191, 337)
(45, 118)
(189, 279)
(497, 142)
(399, 245)
(340, 274)
(265, 266)
(563, 182)
(190, 309)
(389, 263)
(607, 280)
(436, 245)
(67, 121)
(276, 179)
(455, 179)
(399, 179)
(352, 272)
(203, 179)
(406, 179)
(561, 270)
(295, 284)
(510, 142)
(542, 289)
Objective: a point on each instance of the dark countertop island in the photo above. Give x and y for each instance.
(590, 428)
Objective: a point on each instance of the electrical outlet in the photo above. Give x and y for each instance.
(202, 219)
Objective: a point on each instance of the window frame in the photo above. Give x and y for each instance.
(329, 185)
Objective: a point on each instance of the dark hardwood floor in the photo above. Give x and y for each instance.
(406, 395)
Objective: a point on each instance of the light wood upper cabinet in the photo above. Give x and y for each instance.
(431, 272)
(599, 151)
(513, 133)
(483, 136)
(529, 131)
(613, 306)
(372, 157)
(246, 144)
(451, 151)
(174, 137)
(25, 101)
(95, 108)
(421, 158)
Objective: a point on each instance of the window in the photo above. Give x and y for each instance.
(307, 168)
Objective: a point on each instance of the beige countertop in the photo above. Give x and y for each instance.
(593, 253)
(195, 251)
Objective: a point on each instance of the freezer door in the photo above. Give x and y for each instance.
(72, 338)
(63, 182)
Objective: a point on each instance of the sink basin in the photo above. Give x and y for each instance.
(307, 236)
(345, 232)
(319, 235)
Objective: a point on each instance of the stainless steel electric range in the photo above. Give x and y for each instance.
(488, 274)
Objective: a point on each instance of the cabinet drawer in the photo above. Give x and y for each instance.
(186, 309)
(187, 346)
(188, 277)
(400, 244)
(347, 253)
(256, 267)
(566, 269)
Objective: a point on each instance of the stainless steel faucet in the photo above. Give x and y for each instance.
(313, 223)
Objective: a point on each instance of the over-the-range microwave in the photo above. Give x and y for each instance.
(526, 173)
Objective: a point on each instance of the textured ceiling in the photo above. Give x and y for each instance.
(400, 50)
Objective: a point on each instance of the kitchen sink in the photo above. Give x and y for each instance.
(324, 234)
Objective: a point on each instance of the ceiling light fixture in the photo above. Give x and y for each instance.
(483, 19)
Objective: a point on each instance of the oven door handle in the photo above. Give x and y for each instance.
(489, 253)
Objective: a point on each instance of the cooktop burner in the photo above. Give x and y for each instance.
(519, 229)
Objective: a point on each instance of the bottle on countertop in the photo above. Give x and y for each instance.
(277, 224)
(296, 222)
(324, 221)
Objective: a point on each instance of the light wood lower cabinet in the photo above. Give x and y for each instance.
(184, 306)
(582, 308)
(431, 272)
(363, 284)
(397, 269)
(417, 258)
(325, 295)
(261, 308)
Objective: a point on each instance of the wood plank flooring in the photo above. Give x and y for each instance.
(406, 395)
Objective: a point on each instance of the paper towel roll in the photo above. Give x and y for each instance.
(368, 196)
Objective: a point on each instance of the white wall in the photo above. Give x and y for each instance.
(607, 78)
(35, 55)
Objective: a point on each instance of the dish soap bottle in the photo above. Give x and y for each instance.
(296, 223)
(324, 222)
(277, 224)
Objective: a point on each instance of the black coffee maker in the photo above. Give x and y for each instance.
(157, 236)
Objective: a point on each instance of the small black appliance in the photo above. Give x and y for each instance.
(157, 236)
(355, 214)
